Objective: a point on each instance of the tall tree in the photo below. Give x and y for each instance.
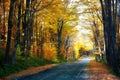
(9, 34)
(60, 25)
(118, 32)
(17, 39)
(109, 18)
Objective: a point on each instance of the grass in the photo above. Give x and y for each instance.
(62, 60)
(103, 62)
(23, 63)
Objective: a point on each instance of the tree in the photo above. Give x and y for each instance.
(10, 25)
(59, 34)
(118, 32)
(109, 21)
(17, 39)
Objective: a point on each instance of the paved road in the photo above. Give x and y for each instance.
(69, 71)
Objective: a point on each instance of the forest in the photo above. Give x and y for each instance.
(39, 32)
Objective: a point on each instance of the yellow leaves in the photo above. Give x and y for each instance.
(49, 51)
(77, 47)
(50, 15)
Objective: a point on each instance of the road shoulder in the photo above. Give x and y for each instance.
(98, 71)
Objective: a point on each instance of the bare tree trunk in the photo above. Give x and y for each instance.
(17, 39)
(42, 38)
(110, 29)
(9, 34)
(4, 26)
(59, 34)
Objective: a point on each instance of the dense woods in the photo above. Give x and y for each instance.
(45, 29)
(36, 28)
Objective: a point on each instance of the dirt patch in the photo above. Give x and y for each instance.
(98, 71)
(29, 71)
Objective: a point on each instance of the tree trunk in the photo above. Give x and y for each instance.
(4, 27)
(9, 34)
(59, 35)
(109, 18)
(42, 39)
(17, 39)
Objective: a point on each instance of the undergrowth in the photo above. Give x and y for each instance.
(23, 63)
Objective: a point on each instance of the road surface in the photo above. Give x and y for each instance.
(68, 71)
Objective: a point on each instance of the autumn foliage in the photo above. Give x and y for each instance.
(36, 28)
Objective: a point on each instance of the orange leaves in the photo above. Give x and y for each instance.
(47, 1)
(49, 51)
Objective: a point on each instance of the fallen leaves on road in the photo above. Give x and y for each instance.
(98, 71)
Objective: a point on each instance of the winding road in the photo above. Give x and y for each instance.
(69, 71)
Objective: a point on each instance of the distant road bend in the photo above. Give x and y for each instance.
(69, 71)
